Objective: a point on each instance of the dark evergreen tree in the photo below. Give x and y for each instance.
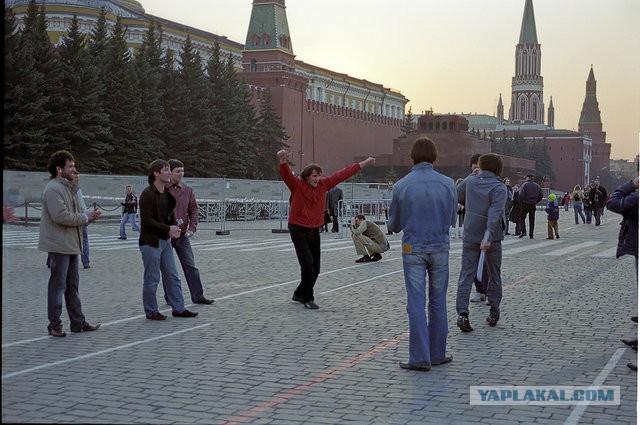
(269, 137)
(148, 65)
(408, 126)
(33, 83)
(88, 129)
(122, 104)
(98, 40)
(176, 123)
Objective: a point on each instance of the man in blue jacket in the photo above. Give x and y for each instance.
(485, 196)
(425, 248)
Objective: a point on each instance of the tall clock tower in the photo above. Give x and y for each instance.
(268, 62)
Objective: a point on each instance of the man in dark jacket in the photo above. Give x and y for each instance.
(334, 196)
(597, 198)
(530, 194)
(624, 201)
(158, 227)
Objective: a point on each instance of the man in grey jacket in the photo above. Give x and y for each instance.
(61, 237)
(485, 196)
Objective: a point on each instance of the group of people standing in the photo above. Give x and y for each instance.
(168, 214)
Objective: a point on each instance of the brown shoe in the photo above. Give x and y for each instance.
(86, 327)
(58, 332)
(184, 313)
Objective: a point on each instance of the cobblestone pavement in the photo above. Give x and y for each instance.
(257, 357)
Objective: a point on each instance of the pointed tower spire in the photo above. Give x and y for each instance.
(268, 27)
(500, 111)
(590, 121)
(527, 107)
(528, 33)
(551, 114)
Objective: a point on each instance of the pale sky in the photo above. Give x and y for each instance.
(459, 55)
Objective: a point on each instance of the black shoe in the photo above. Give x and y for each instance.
(389, 233)
(521, 236)
(86, 327)
(184, 313)
(550, 238)
(557, 236)
(463, 323)
(507, 234)
(363, 259)
(632, 366)
(633, 343)
(492, 320)
(634, 319)
(530, 237)
(58, 332)
(87, 266)
(204, 300)
(376, 257)
(294, 297)
(311, 305)
(123, 239)
(447, 359)
(421, 368)
(156, 316)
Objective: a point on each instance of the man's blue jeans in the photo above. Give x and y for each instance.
(468, 268)
(128, 217)
(427, 337)
(64, 280)
(159, 261)
(191, 272)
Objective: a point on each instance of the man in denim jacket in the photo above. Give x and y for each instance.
(423, 207)
(485, 196)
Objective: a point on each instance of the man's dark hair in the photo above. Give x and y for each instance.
(474, 159)
(155, 167)
(58, 159)
(360, 216)
(306, 171)
(423, 150)
(175, 163)
(491, 162)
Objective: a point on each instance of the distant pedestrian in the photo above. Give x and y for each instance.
(158, 226)
(515, 216)
(308, 197)
(61, 224)
(387, 194)
(597, 198)
(186, 212)
(8, 214)
(424, 208)
(578, 198)
(485, 197)
(334, 196)
(553, 215)
(566, 200)
(509, 205)
(530, 194)
(129, 211)
(588, 210)
(368, 239)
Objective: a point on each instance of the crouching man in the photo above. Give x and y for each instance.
(369, 240)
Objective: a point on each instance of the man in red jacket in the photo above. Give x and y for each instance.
(306, 216)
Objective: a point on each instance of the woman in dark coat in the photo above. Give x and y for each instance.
(515, 210)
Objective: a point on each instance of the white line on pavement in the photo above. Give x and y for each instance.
(362, 281)
(574, 248)
(97, 353)
(577, 413)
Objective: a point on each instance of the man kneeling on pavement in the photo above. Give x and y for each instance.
(369, 240)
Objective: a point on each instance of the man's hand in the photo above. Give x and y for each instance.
(635, 182)
(282, 156)
(485, 245)
(174, 232)
(93, 215)
(368, 161)
(188, 234)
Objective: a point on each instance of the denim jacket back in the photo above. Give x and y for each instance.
(423, 207)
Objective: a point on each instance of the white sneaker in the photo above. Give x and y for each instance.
(487, 303)
(475, 297)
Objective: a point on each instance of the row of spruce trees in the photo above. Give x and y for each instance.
(116, 112)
